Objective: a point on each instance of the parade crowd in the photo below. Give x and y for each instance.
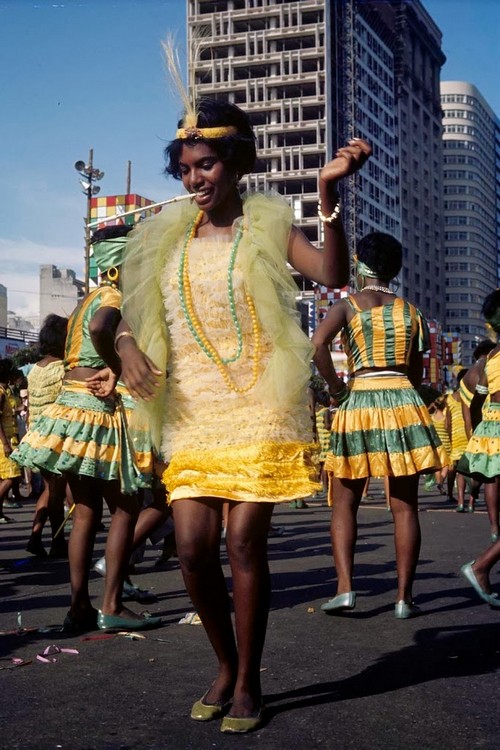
(180, 393)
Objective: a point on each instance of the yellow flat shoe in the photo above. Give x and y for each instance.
(202, 711)
(242, 725)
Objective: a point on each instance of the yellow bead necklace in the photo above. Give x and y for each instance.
(194, 323)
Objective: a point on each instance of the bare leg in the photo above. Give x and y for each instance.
(81, 541)
(124, 510)
(247, 532)
(460, 489)
(5, 485)
(35, 545)
(16, 490)
(57, 496)
(151, 518)
(198, 525)
(491, 490)
(407, 537)
(450, 481)
(344, 528)
(41, 512)
(484, 563)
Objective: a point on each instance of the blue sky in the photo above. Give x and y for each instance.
(81, 74)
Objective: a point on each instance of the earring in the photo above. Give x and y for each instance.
(112, 273)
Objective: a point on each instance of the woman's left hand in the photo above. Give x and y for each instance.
(347, 161)
(103, 383)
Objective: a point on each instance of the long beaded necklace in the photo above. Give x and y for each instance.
(375, 288)
(194, 323)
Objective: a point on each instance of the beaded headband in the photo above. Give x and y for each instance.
(195, 133)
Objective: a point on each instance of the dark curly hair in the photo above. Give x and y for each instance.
(111, 232)
(491, 304)
(52, 336)
(382, 253)
(238, 151)
(484, 347)
(6, 368)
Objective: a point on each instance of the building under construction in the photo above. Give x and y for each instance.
(312, 74)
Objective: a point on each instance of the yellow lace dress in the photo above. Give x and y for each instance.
(255, 445)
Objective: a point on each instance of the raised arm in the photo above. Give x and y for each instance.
(330, 266)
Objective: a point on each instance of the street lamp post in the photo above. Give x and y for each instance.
(89, 174)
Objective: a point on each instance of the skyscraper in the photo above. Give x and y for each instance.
(471, 159)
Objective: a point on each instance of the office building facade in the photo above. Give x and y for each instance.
(471, 164)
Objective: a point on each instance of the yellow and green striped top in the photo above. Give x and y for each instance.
(493, 372)
(383, 336)
(79, 350)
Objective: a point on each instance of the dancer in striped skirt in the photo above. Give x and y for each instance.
(481, 458)
(84, 436)
(382, 427)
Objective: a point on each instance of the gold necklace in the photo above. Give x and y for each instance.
(194, 323)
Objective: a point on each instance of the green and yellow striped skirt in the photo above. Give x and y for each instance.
(481, 459)
(383, 429)
(81, 434)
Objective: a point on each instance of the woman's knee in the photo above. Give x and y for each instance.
(245, 549)
(197, 554)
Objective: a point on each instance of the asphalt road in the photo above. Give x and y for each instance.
(363, 680)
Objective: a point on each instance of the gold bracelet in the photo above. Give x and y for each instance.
(120, 335)
(334, 216)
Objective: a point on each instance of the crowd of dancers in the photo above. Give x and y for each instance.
(185, 374)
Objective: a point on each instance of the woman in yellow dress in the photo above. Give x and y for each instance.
(208, 283)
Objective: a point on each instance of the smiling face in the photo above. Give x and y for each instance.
(204, 174)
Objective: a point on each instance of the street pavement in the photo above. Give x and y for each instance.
(362, 680)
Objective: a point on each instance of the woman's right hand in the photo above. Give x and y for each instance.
(139, 373)
(348, 160)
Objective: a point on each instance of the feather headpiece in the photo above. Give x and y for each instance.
(190, 129)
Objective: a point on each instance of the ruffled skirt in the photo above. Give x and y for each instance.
(269, 472)
(481, 459)
(81, 434)
(383, 429)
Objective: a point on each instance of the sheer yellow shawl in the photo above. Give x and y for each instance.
(262, 255)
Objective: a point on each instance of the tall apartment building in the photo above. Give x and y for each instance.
(471, 160)
(418, 60)
(313, 73)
